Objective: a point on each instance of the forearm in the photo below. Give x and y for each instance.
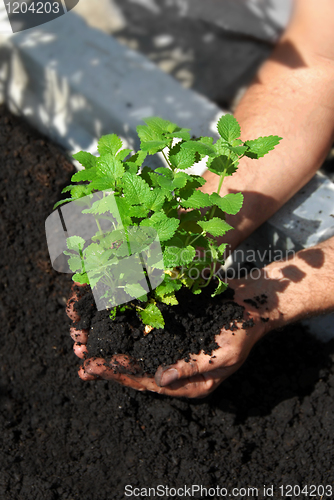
(296, 289)
(293, 97)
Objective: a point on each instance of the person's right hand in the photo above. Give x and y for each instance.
(196, 378)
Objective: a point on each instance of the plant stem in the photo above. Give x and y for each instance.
(202, 234)
(168, 163)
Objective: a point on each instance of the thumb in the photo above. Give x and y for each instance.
(166, 375)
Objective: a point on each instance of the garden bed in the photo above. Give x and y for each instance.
(61, 438)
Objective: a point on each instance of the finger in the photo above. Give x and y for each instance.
(79, 335)
(99, 367)
(71, 313)
(80, 350)
(198, 364)
(195, 387)
(85, 376)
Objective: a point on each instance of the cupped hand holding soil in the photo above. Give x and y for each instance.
(195, 378)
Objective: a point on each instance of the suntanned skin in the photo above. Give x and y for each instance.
(293, 97)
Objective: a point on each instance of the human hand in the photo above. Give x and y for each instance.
(194, 379)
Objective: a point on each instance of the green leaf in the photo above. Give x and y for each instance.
(86, 159)
(84, 175)
(153, 147)
(61, 202)
(81, 278)
(135, 161)
(180, 133)
(155, 200)
(136, 190)
(110, 168)
(75, 243)
(222, 248)
(181, 179)
(230, 203)
(138, 211)
(159, 125)
(106, 205)
(219, 165)
(152, 316)
(181, 158)
(168, 286)
(215, 226)
(261, 146)
(220, 288)
(135, 290)
(228, 128)
(197, 200)
(178, 256)
(198, 147)
(75, 263)
(109, 144)
(164, 226)
(164, 171)
(123, 154)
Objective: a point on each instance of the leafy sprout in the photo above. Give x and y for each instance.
(130, 200)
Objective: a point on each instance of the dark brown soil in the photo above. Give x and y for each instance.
(62, 439)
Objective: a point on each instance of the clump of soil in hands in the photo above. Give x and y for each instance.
(190, 327)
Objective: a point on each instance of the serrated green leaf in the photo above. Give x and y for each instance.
(110, 168)
(135, 162)
(180, 133)
(61, 202)
(168, 286)
(178, 256)
(152, 316)
(136, 190)
(215, 226)
(222, 248)
(257, 148)
(86, 159)
(164, 226)
(75, 263)
(75, 243)
(138, 211)
(123, 154)
(154, 201)
(181, 158)
(81, 278)
(197, 200)
(181, 179)
(220, 288)
(109, 144)
(228, 128)
(166, 172)
(230, 203)
(135, 290)
(159, 125)
(106, 205)
(170, 300)
(101, 184)
(153, 147)
(84, 175)
(146, 134)
(219, 165)
(123, 208)
(198, 147)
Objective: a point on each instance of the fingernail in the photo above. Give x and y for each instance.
(168, 377)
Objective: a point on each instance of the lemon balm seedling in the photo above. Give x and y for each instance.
(149, 224)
